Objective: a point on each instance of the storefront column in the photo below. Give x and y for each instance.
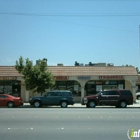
(82, 92)
(23, 91)
(134, 89)
(27, 96)
(82, 80)
(83, 83)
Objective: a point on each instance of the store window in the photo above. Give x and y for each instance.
(73, 86)
(107, 87)
(10, 87)
(93, 87)
(90, 87)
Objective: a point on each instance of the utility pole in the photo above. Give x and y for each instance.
(139, 40)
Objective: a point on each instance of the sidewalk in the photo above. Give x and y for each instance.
(78, 105)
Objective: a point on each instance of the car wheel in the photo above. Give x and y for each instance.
(64, 104)
(91, 104)
(10, 104)
(123, 104)
(37, 104)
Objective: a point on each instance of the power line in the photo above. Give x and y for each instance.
(72, 14)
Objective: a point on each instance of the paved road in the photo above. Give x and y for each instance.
(67, 124)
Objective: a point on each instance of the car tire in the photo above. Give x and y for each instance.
(123, 104)
(37, 104)
(64, 104)
(91, 104)
(10, 104)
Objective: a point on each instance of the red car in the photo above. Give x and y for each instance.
(10, 101)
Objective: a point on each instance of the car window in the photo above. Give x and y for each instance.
(50, 94)
(3, 96)
(114, 93)
(105, 93)
(126, 92)
(67, 94)
(58, 94)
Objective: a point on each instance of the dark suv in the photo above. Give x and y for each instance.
(118, 98)
(55, 97)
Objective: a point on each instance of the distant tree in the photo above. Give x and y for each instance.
(37, 77)
(137, 69)
(128, 65)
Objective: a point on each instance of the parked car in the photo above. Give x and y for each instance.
(138, 95)
(118, 98)
(61, 98)
(10, 101)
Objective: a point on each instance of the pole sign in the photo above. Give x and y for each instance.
(83, 77)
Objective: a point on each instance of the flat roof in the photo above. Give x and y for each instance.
(77, 70)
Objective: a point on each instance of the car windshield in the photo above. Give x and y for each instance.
(51, 94)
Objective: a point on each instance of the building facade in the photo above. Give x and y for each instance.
(80, 80)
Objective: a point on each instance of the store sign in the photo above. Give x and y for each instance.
(8, 78)
(117, 77)
(61, 77)
(83, 77)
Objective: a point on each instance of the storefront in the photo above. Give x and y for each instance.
(93, 87)
(82, 86)
(105, 83)
(73, 86)
(80, 80)
(10, 85)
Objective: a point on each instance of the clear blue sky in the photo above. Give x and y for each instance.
(65, 31)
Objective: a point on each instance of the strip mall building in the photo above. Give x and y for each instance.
(80, 80)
